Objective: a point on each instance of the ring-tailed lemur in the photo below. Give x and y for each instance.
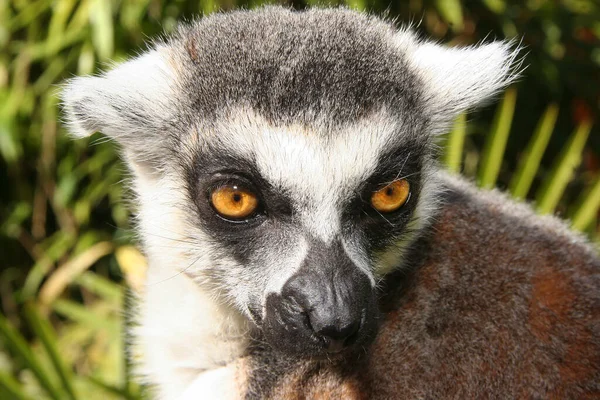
(302, 242)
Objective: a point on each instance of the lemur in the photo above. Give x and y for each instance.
(302, 241)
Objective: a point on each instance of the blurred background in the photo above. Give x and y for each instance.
(67, 250)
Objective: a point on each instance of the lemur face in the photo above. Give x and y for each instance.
(296, 217)
(282, 159)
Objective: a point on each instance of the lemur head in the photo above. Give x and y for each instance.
(282, 160)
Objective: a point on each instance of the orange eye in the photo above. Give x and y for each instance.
(233, 202)
(391, 197)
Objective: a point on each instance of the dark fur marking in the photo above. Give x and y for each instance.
(294, 66)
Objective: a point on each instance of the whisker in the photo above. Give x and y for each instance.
(186, 241)
(409, 175)
(398, 177)
(403, 164)
(178, 273)
(382, 216)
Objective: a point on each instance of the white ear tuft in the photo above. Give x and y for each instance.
(457, 79)
(83, 115)
(133, 104)
(125, 103)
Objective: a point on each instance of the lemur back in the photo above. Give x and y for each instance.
(501, 303)
(303, 242)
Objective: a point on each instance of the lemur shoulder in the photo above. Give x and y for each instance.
(302, 241)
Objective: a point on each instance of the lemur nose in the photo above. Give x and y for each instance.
(336, 338)
(327, 306)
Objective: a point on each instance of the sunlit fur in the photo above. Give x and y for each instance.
(168, 105)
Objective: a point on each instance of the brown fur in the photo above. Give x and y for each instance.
(500, 303)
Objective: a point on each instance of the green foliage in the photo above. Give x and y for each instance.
(64, 222)
(19, 346)
(453, 149)
(532, 156)
(554, 185)
(587, 208)
(493, 152)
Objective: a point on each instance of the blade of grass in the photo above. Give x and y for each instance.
(497, 6)
(28, 14)
(588, 208)
(208, 6)
(12, 387)
(110, 291)
(493, 153)
(531, 158)
(19, 346)
(554, 186)
(59, 245)
(359, 5)
(64, 275)
(451, 11)
(78, 313)
(455, 144)
(61, 12)
(45, 333)
(102, 28)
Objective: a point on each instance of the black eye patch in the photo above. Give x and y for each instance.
(381, 229)
(215, 167)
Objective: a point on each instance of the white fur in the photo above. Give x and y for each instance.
(146, 80)
(456, 79)
(218, 384)
(183, 329)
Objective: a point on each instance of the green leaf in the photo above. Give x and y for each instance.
(108, 290)
(45, 333)
(102, 28)
(455, 144)
(359, 5)
(20, 347)
(208, 6)
(12, 387)
(61, 11)
(532, 156)
(28, 15)
(497, 6)
(10, 146)
(87, 59)
(493, 153)
(59, 245)
(588, 208)
(554, 186)
(451, 12)
(78, 313)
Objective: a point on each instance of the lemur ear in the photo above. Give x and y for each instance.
(131, 104)
(457, 79)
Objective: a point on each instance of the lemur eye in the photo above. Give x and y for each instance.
(233, 202)
(391, 197)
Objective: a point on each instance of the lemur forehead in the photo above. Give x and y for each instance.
(316, 160)
(294, 66)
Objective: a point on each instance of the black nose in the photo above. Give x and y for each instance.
(335, 337)
(332, 309)
(327, 306)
